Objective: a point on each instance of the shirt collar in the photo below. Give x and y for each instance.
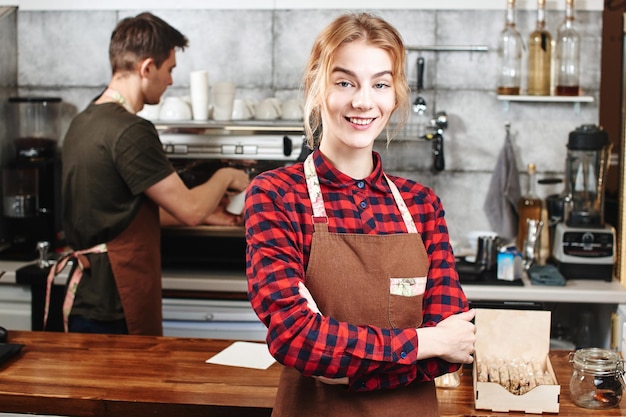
(332, 177)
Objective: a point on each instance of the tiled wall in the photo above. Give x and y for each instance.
(64, 53)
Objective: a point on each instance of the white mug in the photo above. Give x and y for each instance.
(243, 109)
(150, 111)
(174, 108)
(268, 109)
(236, 204)
(292, 110)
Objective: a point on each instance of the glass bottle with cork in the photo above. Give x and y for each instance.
(510, 55)
(539, 56)
(528, 207)
(567, 55)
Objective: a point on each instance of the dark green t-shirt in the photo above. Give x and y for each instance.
(110, 157)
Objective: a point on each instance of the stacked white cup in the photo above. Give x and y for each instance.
(223, 100)
(199, 86)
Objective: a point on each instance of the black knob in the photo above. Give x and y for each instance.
(287, 146)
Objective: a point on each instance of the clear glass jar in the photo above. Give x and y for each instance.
(597, 379)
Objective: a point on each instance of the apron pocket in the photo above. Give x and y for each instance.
(405, 301)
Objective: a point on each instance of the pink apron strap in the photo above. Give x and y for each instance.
(404, 210)
(315, 192)
(74, 280)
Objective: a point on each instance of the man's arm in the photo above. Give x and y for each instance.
(192, 207)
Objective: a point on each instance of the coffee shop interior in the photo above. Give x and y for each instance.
(54, 62)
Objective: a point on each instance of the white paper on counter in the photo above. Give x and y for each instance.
(244, 354)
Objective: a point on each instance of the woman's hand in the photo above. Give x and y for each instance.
(451, 340)
(304, 292)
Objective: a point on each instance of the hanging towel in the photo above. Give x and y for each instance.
(547, 274)
(504, 192)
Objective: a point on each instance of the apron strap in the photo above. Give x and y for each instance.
(58, 267)
(315, 192)
(406, 215)
(317, 201)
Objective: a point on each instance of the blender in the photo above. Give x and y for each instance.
(583, 245)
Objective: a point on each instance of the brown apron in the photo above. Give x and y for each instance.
(135, 257)
(350, 277)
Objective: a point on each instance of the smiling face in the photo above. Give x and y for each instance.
(360, 97)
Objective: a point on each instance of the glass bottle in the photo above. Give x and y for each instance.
(539, 55)
(510, 55)
(529, 207)
(567, 55)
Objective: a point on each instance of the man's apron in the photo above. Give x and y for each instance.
(135, 257)
(360, 279)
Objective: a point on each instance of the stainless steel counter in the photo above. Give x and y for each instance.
(190, 315)
(575, 291)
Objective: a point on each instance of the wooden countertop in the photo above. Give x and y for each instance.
(105, 375)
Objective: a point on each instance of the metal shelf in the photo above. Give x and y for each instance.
(576, 100)
(449, 48)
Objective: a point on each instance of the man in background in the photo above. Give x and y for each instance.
(116, 178)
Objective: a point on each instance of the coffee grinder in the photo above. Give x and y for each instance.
(31, 179)
(584, 246)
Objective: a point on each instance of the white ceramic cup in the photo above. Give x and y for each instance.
(223, 100)
(199, 89)
(292, 110)
(236, 204)
(268, 109)
(150, 111)
(174, 108)
(242, 109)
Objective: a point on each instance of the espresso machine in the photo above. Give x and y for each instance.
(31, 178)
(584, 245)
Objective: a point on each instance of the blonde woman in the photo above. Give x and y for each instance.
(351, 269)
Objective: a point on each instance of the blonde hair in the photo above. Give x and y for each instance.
(348, 28)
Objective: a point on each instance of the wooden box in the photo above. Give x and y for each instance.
(516, 340)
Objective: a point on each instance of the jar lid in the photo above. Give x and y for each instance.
(597, 360)
(588, 138)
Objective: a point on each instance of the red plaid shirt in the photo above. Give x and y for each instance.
(279, 232)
